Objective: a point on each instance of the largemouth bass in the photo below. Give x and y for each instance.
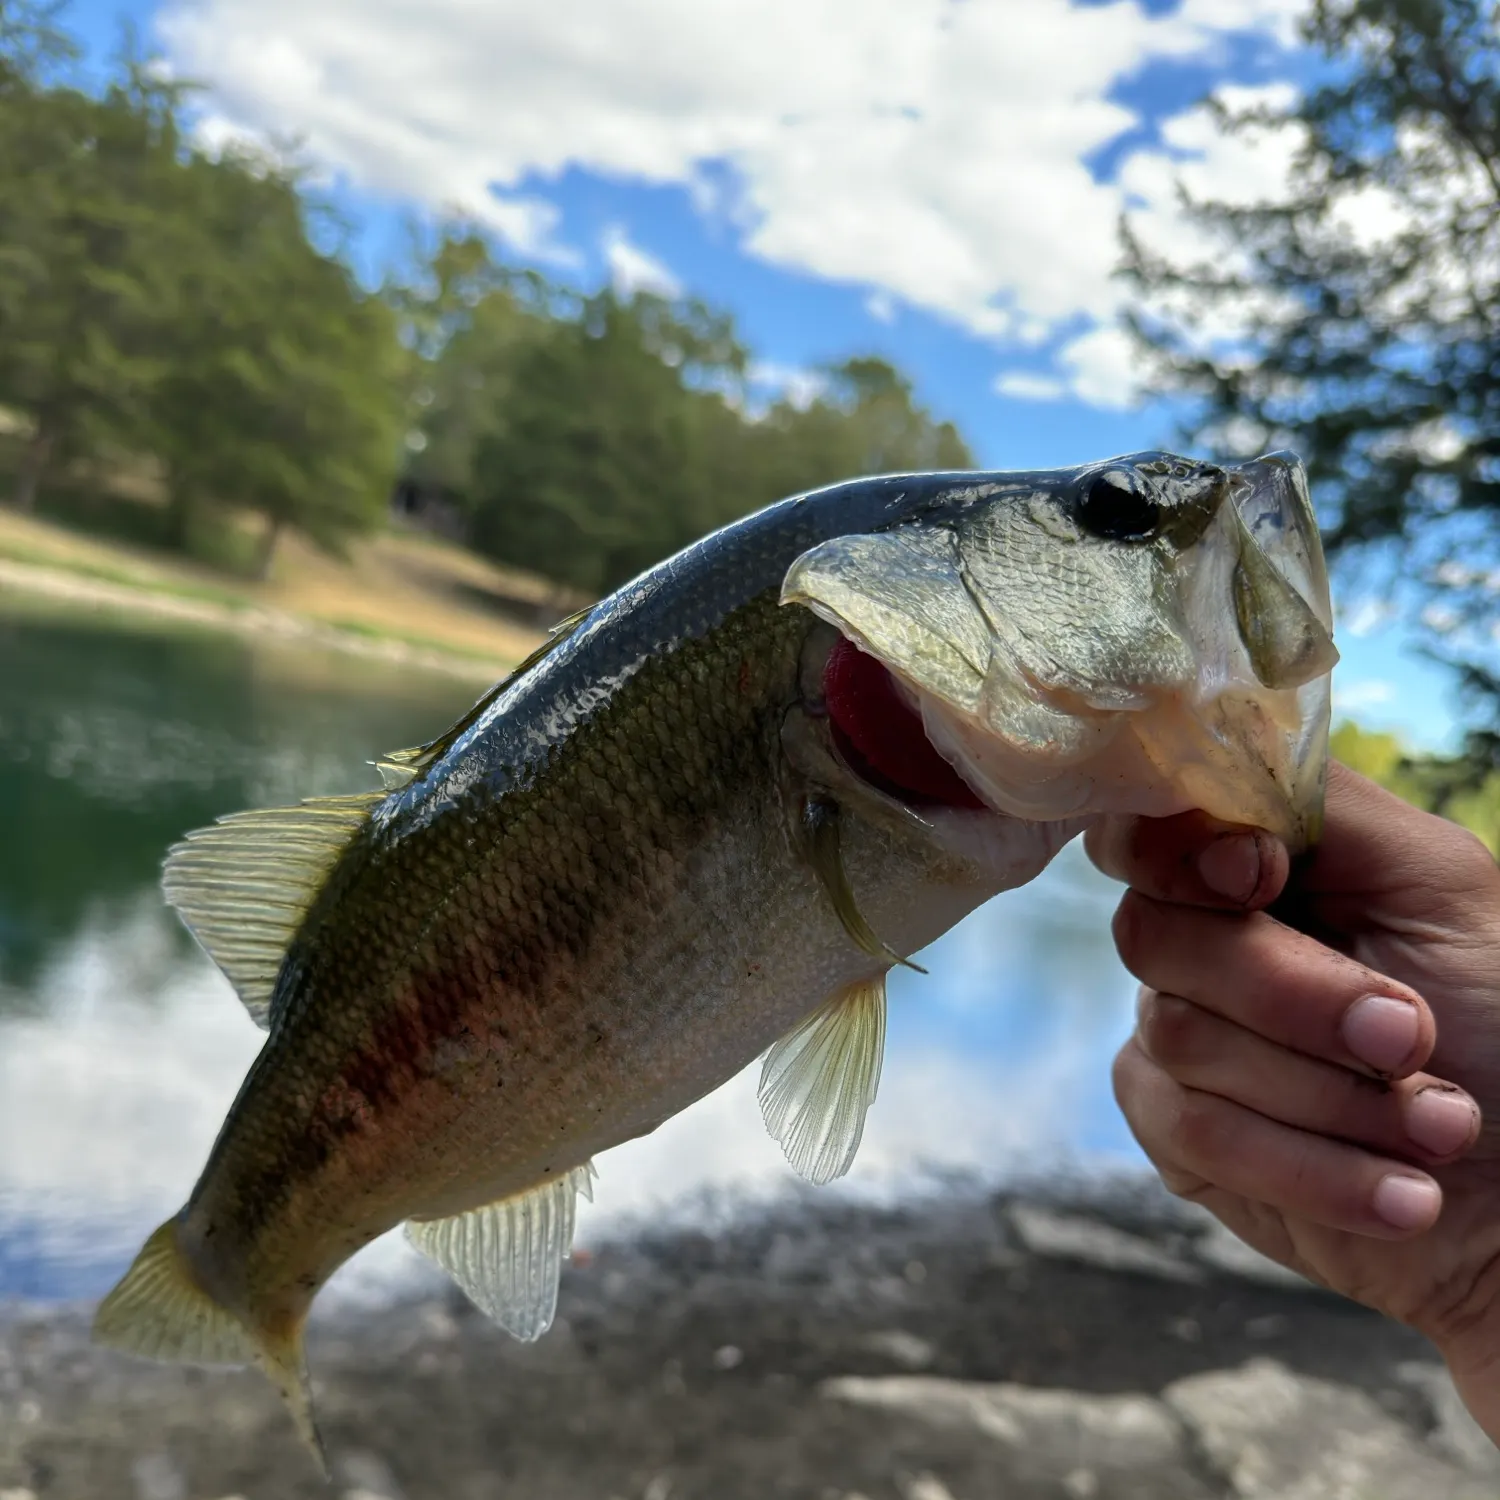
(702, 823)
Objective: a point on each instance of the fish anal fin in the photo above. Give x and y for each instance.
(507, 1256)
(159, 1311)
(244, 884)
(399, 768)
(820, 1079)
(821, 843)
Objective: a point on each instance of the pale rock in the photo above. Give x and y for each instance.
(368, 1476)
(924, 1487)
(900, 1347)
(1057, 1236)
(1271, 1434)
(158, 1478)
(1060, 1435)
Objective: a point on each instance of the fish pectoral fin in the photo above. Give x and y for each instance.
(506, 1257)
(820, 837)
(159, 1311)
(820, 1079)
(244, 884)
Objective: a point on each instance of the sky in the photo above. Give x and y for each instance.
(935, 181)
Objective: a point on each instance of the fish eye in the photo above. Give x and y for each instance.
(1113, 511)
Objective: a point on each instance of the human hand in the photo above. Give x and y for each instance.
(1316, 1077)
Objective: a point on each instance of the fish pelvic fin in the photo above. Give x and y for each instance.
(244, 885)
(159, 1311)
(818, 1082)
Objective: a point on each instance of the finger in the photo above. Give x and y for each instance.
(1277, 982)
(1421, 1118)
(1199, 1140)
(1192, 858)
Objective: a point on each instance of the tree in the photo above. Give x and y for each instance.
(608, 453)
(465, 321)
(865, 423)
(280, 392)
(1356, 317)
(81, 282)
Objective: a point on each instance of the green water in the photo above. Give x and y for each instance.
(113, 743)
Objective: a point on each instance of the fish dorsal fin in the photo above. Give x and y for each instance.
(400, 767)
(820, 840)
(819, 1080)
(244, 884)
(507, 1256)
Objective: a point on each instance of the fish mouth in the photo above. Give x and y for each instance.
(930, 705)
(1250, 735)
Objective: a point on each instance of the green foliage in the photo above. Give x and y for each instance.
(160, 301)
(1366, 301)
(280, 391)
(80, 183)
(588, 437)
(167, 309)
(1453, 787)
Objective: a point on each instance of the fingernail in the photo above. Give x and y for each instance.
(1407, 1202)
(1230, 866)
(1381, 1032)
(1440, 1120)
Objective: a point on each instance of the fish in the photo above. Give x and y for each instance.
(699, 826)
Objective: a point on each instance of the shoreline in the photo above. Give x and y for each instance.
(975, 1345)
(79, 591)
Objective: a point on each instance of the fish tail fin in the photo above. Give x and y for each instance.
(159, 1311)
(285, 1365)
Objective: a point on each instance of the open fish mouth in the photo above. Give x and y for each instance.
(1146, 635)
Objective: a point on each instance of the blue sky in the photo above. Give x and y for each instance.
(936, 181)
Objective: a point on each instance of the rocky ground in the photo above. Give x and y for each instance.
(1104, 1347)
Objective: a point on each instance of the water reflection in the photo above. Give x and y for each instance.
(121, 1047)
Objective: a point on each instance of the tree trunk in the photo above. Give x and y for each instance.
(268, 541)
(34, 464)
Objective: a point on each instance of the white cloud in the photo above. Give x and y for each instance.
(795, 384)
(930, 152)
(1026, 385)
(1103, 367)
(633, 270)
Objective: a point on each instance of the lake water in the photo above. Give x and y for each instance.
(121, 1047)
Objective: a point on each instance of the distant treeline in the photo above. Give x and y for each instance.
(190, 314)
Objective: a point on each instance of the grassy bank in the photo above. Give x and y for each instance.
(397, 594)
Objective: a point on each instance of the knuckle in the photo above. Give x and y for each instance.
(1185, 1185)
(1133, 927)
(1471, 861)
(1173, 1030)
(1125, 1076)
(1196, 1134)
(1106, 843)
